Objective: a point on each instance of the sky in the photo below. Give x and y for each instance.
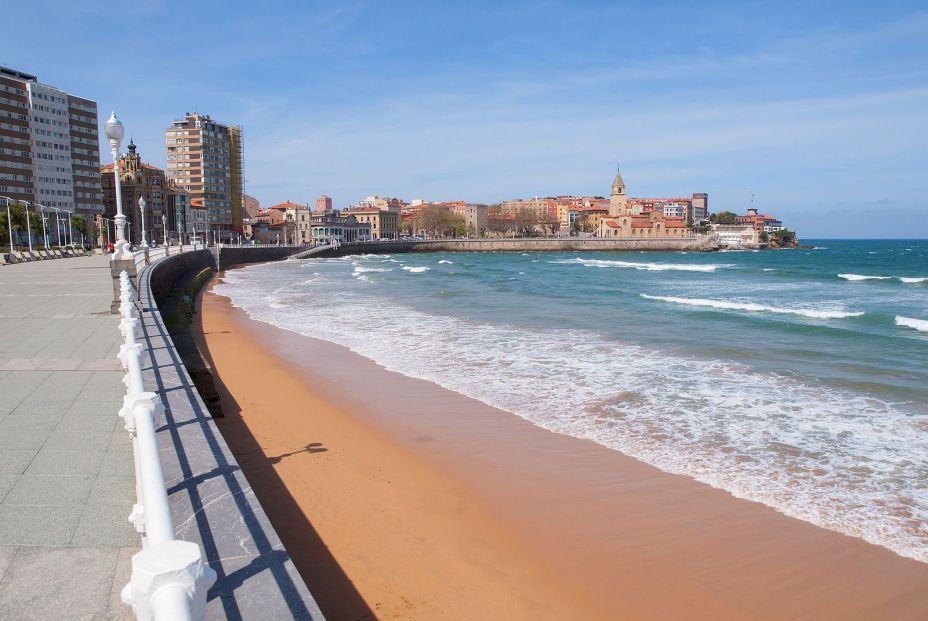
(819, 110)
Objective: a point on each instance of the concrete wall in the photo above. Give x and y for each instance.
(212, 503)
(524, 245)
(173, 267)
(230, 256)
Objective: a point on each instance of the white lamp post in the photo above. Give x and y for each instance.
(28, 226)
(9, 221)
(44, 230)
(142, 213)
(164, 229)
(70, 231)
(114, 133)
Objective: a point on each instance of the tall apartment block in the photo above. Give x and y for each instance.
(205, 157)
(49, 145)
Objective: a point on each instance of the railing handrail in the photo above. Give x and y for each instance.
(169, 579)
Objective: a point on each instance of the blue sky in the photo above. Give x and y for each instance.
(819, 109)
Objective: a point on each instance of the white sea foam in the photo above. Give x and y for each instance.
(769, 269)
(416, 270)
(857, 277)
(836, 458)
(913, 279)
(446, 262)
(361, 269)
(650, 267)
(917, 324)
(753, 307)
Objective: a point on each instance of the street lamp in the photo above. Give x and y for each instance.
(44, 230)
(164, 229)
(70, 231)
(114, 133)
(9, 221)
(142, 213)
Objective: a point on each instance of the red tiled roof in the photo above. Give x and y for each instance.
(288, 205)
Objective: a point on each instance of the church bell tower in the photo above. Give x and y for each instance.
(618, 201)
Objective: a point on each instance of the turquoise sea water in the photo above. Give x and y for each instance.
(795, 378)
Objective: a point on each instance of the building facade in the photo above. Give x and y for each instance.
(331, 227)
(137, 180)
(206, 158)
(323, 204)
(384, 224)
(49, 146)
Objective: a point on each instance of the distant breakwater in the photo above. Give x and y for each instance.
(229, 256)
(527, 244)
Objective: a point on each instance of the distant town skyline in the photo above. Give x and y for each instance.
(820, 112)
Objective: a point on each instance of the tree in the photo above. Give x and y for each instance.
(525, 221)
(723, 217)
(79, 224)
(763, 236)
(784, 236)
(17, 222)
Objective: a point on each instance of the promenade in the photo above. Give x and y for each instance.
(66, 469)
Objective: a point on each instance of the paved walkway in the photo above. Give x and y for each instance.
(66, 471)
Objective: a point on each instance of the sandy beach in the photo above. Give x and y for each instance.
(399, 499)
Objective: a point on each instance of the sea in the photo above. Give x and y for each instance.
(795, 378)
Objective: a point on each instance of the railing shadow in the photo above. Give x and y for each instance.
(330, 586)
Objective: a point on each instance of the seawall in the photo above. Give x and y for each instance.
(229, 256)
(212, 502)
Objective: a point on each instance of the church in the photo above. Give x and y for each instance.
(624, 222)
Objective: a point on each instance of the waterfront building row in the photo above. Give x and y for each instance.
(49, 146)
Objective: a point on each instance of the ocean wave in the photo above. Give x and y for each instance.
(843, 460)
(753, 307)
(858, 277)
(360, 269)
(446, 262)
(416, 270)
(913, 279)
(916, 324)
(650, 267)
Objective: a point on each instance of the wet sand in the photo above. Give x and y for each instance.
(399, 499)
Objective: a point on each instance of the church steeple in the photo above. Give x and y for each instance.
(618, 201)
(618, 184)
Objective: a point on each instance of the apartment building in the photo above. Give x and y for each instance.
(49, 146)
(206, 158)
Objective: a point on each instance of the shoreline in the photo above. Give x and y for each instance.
(477, 512)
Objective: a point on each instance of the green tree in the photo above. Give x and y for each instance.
(763, 236)
(17, 222)
(35, 223)
(79, 224)
(785, 236)
(723, 217)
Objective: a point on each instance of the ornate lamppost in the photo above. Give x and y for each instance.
(142, 214)
(114, 133)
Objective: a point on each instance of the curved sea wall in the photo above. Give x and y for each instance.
(212, 502)
(702, 244)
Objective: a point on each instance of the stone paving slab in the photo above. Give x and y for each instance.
(41, 584)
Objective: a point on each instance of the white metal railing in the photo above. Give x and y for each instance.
(169, 578)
